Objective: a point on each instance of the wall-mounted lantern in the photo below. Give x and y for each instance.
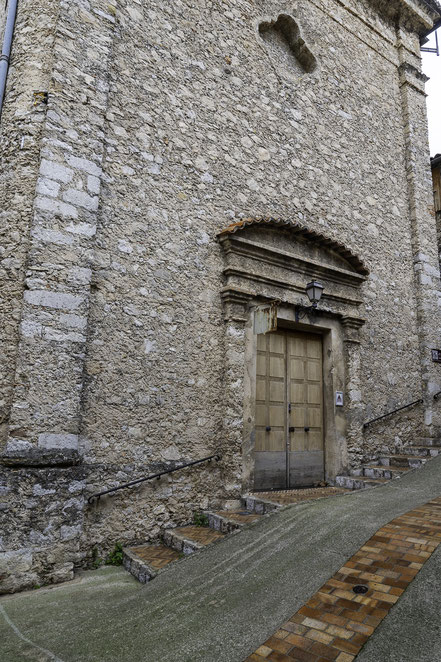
(314, 290)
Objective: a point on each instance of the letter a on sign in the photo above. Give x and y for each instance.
(338, 399)
(265, 318)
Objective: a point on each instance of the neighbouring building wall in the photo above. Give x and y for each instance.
(165, 123)
(436, 180)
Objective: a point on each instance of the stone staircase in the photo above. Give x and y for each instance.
(145, 561)
(388, 467)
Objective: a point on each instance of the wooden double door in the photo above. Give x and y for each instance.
(289, 444)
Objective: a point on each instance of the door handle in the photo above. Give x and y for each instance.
(306, 429)
(291, 429)
(268, 428)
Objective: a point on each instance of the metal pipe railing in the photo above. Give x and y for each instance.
(394, 411)
(97, 495)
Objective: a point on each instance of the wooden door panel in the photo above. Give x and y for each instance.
(315, 440)
(314, 394)
(314, 371)
(277, 343)
(261, 415)
(297, 392)
(298, 440)
(305, 467)
(298, 417)
(306, 397)
(314, 349)
(270, 470)
(276, 441)
(260, 389)
(277, 391)
(277, 366)
(271, 408)
(277, 416)
(289, 371)
(261, 365)
(260, 440)
(296, 346)
(297, 368)
(314, 417)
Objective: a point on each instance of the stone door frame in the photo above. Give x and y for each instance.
(267, 260)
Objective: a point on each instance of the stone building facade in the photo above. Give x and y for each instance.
(170, 171)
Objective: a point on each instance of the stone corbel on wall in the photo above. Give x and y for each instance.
(352, 326)
(236, 302)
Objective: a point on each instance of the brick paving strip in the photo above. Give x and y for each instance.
(336, 622)
(288, 497)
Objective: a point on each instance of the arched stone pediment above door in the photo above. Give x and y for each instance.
(269, 258)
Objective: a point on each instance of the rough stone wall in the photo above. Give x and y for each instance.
(221, 130)
(41, 517)
(62, 201)
(165, 122)
(20, 135)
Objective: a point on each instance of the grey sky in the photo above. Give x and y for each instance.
(432, 68)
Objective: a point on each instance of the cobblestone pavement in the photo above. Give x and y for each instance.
(341, 616)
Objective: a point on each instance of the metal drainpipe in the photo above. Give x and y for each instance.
(6, 50)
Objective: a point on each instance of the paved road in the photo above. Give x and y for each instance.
(220, 604)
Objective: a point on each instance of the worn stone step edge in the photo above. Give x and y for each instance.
(413, 461)
(180, 543)
(260, 506)
(223, 524)
(426, 451)
(141, 570)
(359, 482)
(429, 441)
(385, 471)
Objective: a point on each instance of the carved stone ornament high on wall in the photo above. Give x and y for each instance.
(267, 259)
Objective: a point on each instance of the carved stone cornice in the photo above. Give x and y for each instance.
(409, 75)
(301, 232)
(271, 259)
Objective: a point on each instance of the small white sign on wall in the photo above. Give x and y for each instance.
(339, 398)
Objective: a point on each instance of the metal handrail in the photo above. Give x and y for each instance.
(394, 411)
(97, 495)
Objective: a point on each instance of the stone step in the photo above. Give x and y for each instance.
(188, 539)
(255, 504)
(145, 561)
(412, 461)
(227, 521)
(359, 482)
(381, 471)
(422, 451)
(429, 441)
